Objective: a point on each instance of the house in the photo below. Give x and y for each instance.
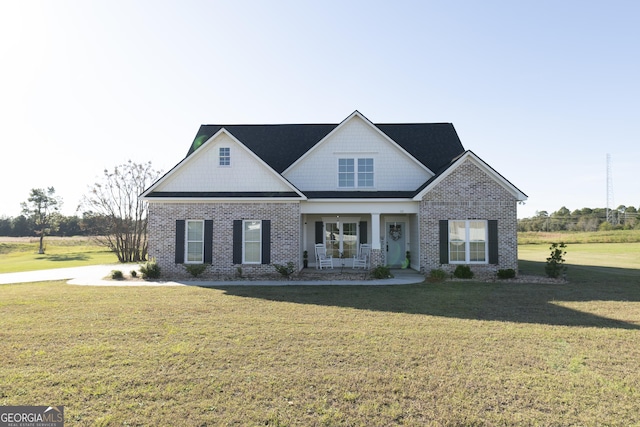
(247, 196)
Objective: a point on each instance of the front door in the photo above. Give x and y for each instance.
(396, 243)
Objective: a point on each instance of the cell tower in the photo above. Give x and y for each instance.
(610, 203)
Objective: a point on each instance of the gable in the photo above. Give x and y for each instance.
(357, 138)
(202, 174)
(280, 146)
(277, 145)
(467, 179)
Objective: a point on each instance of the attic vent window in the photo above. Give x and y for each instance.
(225, 156)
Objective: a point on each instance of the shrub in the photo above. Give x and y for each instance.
(555, 263)
(285, 270)
(134, 274)
(437, 275)
(509, 273)
(195, 269)
(150, 270)
(117, 275)
(463, 272)
(381, 272)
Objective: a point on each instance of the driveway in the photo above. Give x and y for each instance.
(90, 272)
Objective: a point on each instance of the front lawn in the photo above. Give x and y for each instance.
(21, 253)
(452, 353)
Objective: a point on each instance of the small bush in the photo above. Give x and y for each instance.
(150, 270)
(437, 275)
(285, 270)
(508, 273)
(381, 272)
(134, 273)
(117, 275)
(463, 272)
(195, 269)
(555, 263)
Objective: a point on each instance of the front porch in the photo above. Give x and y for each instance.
(393, 237)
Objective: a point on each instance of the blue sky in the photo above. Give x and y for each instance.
(540, 90)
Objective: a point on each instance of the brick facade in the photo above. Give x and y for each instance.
(468, 193)
(285, 235)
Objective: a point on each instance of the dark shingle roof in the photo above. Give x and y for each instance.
(277, 145)
(433, 144)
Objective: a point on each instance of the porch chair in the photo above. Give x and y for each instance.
(322, 259)
(363, 258)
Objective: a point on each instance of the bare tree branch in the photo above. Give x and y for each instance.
(115, 198)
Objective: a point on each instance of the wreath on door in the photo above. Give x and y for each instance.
(395, 232)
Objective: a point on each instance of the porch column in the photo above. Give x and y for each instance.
(375, 231)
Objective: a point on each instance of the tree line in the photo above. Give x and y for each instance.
(585, 219)
(113, 213)
(88, 224)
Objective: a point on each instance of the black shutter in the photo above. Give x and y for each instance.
(266, 241)
(493, 241)
(363, 231)
(208, 241)
(444, 241)
(319, 232)
(180, 241)
(237, 241)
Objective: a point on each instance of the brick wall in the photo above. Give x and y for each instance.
(468, 193)
(285, 231)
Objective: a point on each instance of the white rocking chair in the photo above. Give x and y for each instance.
(322, 259)
(363, 258)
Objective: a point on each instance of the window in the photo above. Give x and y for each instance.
(341, 238)
(252, 242)
(365, 172)
(468, 242)
(195, 242)
(347, 173)
(225, 156)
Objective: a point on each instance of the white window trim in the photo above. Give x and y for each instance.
(467, 246)
(340, 221)
(355, 172)
(220, 158)
(373, 173)
(244, 241)
(187, 241)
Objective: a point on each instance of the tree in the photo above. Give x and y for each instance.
(69, 226)
(5, 226)
(115, 198)
(41, 207)
(21, 227)
(555, 263)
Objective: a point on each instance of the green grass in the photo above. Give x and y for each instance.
(444, 354)
(612, 236)
(619, 255)
(452, 353)
(21, 254)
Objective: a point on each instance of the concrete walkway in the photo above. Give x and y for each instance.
(95, 275)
